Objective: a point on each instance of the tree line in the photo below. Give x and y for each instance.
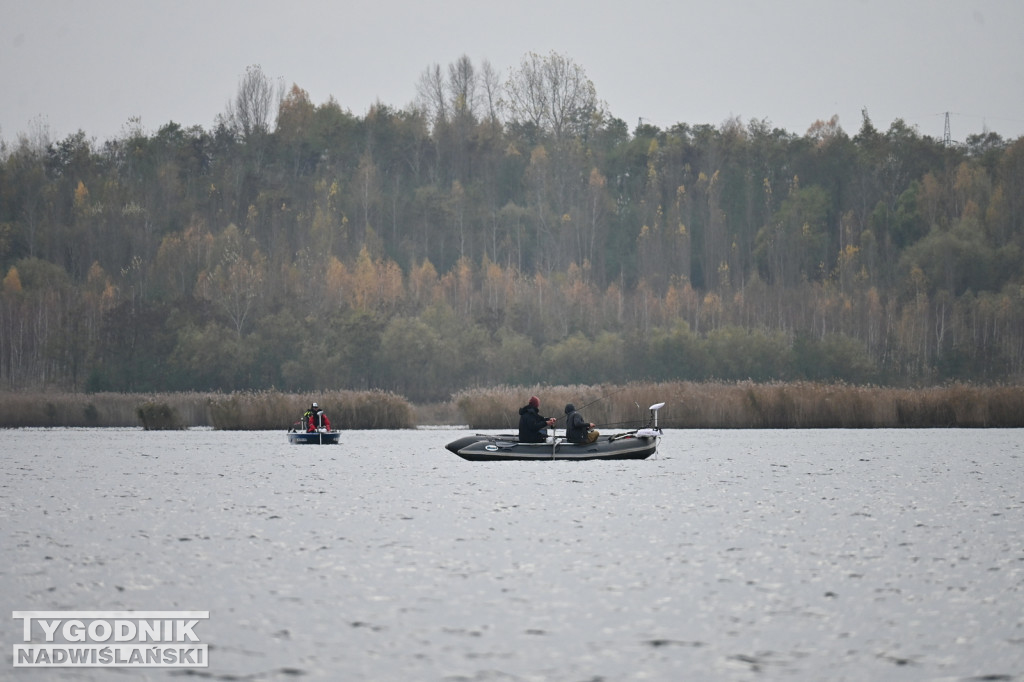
(503, 229)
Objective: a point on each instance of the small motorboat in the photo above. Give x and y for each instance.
(314, 428)
(637, 444)
(319, 437)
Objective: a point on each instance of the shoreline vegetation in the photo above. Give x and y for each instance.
(239, 411)
(688, 405)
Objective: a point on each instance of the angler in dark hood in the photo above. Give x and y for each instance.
(577, 430)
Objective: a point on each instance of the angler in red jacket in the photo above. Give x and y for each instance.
(318, 419)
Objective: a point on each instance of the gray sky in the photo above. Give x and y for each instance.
(96, 64)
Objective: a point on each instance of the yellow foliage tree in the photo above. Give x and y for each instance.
(81, 196)
(424, 283)
(364, 283)
(337, 282)
(12, 282)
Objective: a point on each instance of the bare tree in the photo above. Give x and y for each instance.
(462, 83)
(257, 99)
(430, 92)
(490, 81)
(553, 93)
(526, 94)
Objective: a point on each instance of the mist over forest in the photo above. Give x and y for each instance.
(506, 229)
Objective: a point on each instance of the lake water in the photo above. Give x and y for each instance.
(731, 555)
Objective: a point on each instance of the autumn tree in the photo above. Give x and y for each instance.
(296, 132)
(236, 283)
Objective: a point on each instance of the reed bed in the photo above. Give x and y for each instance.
(438, 414)
(605, 405)
(688, 405)
(749, 405)
(258, 410)
(36, 409)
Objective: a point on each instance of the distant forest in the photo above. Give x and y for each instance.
(504, 230)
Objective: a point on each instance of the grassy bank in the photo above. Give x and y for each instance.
(262, 410)
(747, 405)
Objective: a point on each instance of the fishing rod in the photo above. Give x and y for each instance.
(630, 423)
(639, 422)
(592, 402)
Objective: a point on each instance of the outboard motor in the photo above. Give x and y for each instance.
(651, 430)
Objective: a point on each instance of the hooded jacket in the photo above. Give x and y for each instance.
(575, 428)
(531, 425)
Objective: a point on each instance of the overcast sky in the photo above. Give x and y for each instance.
(96, 64)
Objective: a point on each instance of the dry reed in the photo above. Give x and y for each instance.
(262, 410)
(688, 405)
(498, 408)
(36, 409)
(749, 405)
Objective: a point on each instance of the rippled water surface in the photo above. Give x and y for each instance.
(732, 555)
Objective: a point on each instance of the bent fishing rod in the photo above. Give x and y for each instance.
(593, 402)
(639, 422)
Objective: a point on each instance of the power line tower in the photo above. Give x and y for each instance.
(945, 136)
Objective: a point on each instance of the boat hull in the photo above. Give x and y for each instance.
(313, 438)
(482, 448)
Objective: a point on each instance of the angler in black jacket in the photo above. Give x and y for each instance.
(531, 424)
(577, 430)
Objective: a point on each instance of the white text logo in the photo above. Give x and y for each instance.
(100, 639)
